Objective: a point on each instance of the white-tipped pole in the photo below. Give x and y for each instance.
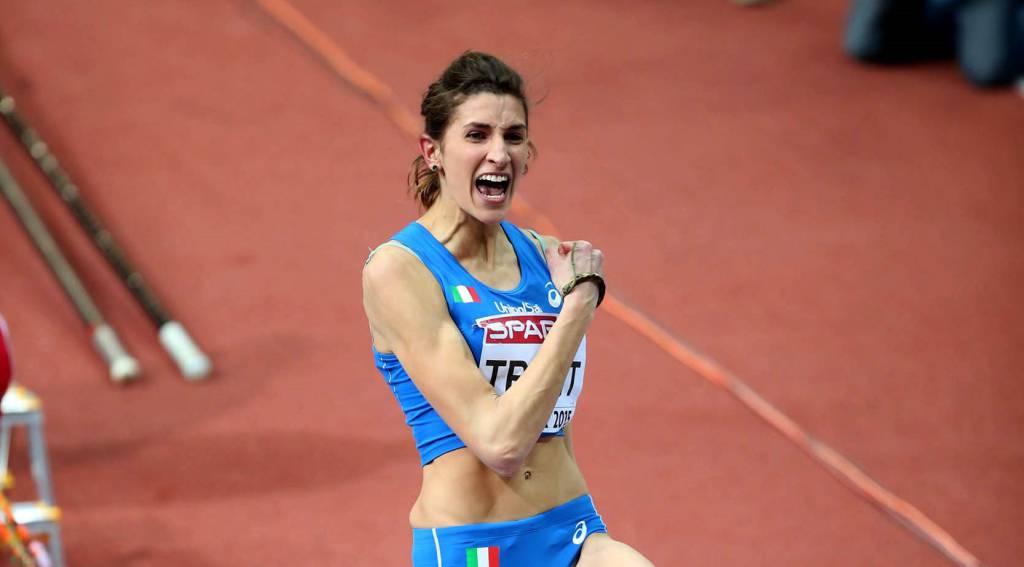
(123, 367)
(191, 361)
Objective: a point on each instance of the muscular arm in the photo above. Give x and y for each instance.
(406, 308)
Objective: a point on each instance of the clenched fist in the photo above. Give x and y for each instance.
(577, 260)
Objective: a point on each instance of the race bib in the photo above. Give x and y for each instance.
(509, 345)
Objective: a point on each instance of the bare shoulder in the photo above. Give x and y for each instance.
(393, 268)
(391, 260)
(546, 241)
(399, 292)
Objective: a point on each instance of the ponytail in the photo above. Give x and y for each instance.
(424, 184)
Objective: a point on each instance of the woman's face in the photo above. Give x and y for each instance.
(483, 154)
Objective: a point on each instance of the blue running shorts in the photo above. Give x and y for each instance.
(552, 539)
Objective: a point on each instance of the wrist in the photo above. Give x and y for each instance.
(594, 278)
(582, 298)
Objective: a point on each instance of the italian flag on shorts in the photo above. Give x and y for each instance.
(464, 294)
(482, 557)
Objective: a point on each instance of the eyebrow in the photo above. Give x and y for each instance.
(516, 126)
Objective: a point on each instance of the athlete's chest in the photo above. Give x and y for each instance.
(522, 315)
(505, 331)
(504, 275)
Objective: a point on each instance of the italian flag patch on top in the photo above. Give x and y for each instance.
(482, 557)
(464, 294)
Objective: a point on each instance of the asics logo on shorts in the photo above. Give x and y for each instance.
(581, 532)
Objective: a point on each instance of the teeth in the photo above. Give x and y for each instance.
(494, 178)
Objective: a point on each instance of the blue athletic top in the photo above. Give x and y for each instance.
(504, 330)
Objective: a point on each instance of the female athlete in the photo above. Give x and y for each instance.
(479, 329)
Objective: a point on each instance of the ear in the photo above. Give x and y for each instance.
(430, 149)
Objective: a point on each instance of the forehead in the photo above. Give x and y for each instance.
(501, 110)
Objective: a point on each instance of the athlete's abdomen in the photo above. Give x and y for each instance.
(459, 489)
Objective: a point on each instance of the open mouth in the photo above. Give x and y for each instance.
(493, 186)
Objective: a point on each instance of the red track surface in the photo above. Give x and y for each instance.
(846, 239)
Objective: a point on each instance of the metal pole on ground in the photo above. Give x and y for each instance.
(191, 362)
(122, 366)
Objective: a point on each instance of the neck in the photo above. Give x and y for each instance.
(465, 237)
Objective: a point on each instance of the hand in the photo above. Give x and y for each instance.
(574, 257)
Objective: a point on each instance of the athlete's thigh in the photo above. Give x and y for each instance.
(600, 550)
